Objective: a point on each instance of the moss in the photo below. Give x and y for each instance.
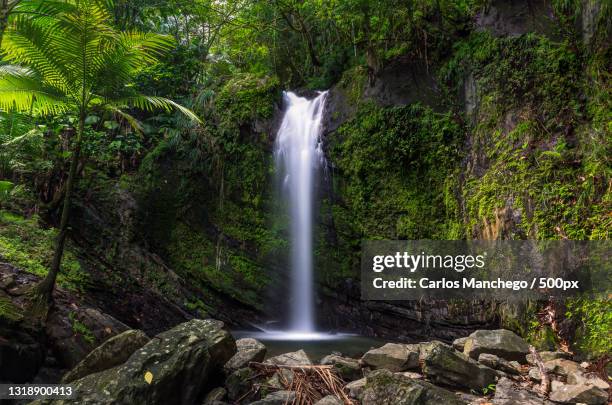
(9, 313)
(246, 97)
(29, 247)
(215, 265)
(79, 328)
(352, 83)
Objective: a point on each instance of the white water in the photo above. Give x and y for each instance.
(299, 158)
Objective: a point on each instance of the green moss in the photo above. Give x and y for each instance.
(9, 313)
(247, 96)
(81, 329)
(594, 320)
(29, 247)
(395, 171)
(215, 265)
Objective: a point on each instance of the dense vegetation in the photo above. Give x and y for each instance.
(516, 144)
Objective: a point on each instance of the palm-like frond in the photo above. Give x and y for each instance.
(22, 90)
(151, 103)
(73, 57)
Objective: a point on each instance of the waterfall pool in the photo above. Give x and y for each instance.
(316, 344)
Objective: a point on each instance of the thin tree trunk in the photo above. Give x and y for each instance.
(45, 288)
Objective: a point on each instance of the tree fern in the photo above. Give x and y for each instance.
(68, 57)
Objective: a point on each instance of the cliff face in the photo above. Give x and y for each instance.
(502, 138)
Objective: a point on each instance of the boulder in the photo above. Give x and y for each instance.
(248, 350)
(411, 374)
(393, 357)
(508, 393)
(111, 353)
(501, 342)
(494, 362)
(239, 383)
(444, 365)
(74, 332)
(579, 377)
(459, 344)
(579, 393)
(355, 388)
(173, 368)
(276, 398)
(548, 356)
(299, 358)
(534, 374)
(329, 400)
(346, 367)
(384, 387)
(216, 395)
(562, 367)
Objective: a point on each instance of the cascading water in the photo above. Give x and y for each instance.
(299, 159)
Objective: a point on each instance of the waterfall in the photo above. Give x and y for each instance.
(299, 158)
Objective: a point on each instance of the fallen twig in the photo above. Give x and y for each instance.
(545, 384)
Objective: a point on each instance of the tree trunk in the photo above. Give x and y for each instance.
(45, 288)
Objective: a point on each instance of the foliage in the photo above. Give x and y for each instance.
(26, 245)
(79, 328)
(594, 319)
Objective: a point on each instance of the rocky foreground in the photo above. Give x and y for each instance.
(199, 362)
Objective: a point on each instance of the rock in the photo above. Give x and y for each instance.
(411, 374)
(283, 375)
(111, 353)
(248, 350)
(459, 344)
(299, 358)
(441, 364)
(22, 351)
(555, 385)
(548, 356)
(239, 383)
(216, 395)
(578, 377)
(534, 374)
(355, 388)
(174, 367)
(276, 398)
(579, 393)
(384, 387)
(393, 357)
(494, 362)
(507, 393)
(329, 400)
(562, 367)
(346, 367)
(501, 342)
(74, 333)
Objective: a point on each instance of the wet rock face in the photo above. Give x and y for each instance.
(111, 353)
(443, 365)
(502, 343)
(384, 387)
(514, 18)
(175, 367)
